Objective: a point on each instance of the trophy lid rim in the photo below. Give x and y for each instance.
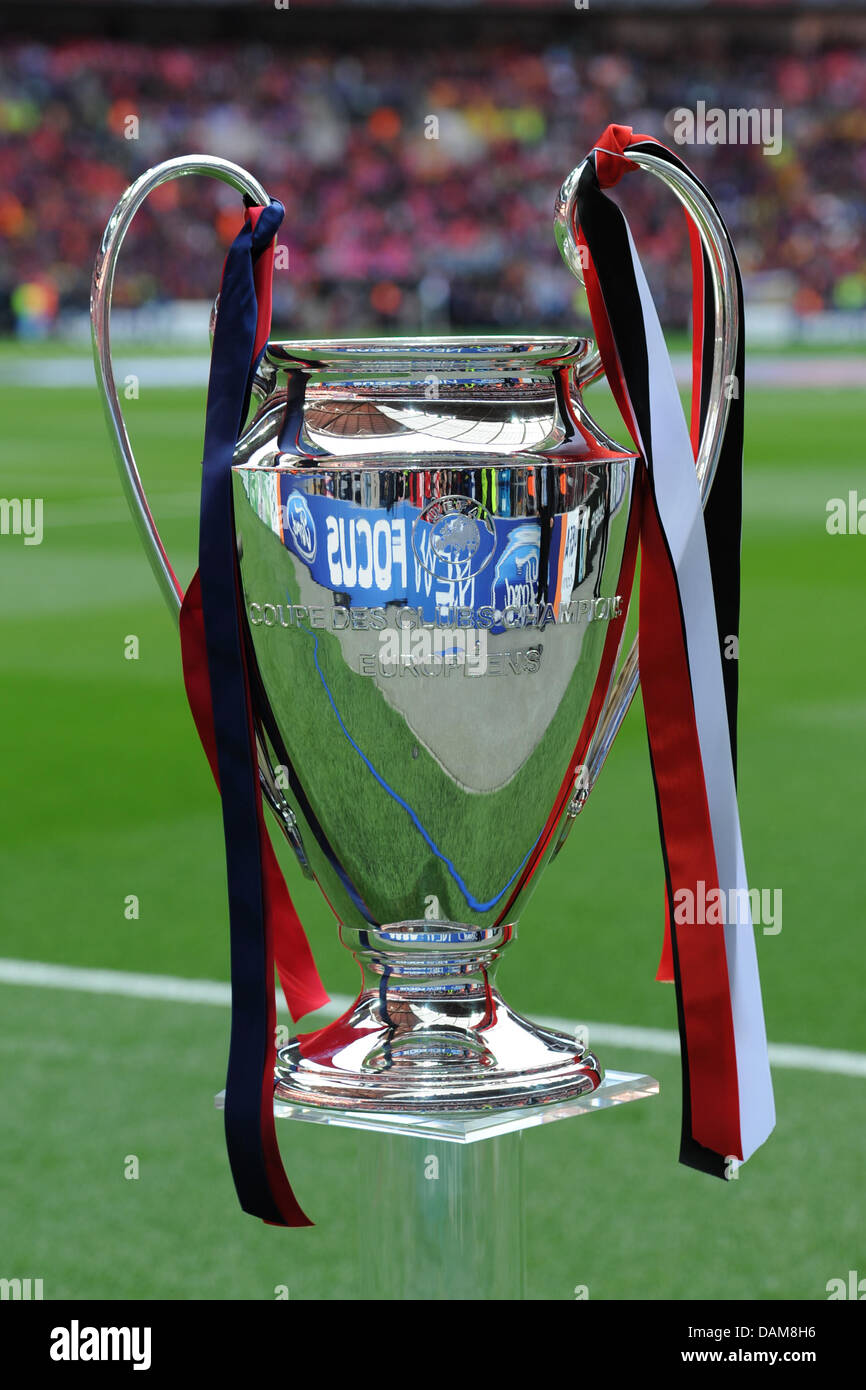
(529, 349)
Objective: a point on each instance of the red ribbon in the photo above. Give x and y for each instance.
(302, 987)
(673, 735)
(611, 162)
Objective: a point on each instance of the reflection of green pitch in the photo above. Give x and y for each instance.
(486, 836)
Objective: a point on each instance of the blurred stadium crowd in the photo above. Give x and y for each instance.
(419, 186)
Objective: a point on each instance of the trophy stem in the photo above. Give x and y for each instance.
(441, 1220)
(431, 1033)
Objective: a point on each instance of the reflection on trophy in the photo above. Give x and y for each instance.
(436, 590)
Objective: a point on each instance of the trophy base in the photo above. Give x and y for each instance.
(409, 1053)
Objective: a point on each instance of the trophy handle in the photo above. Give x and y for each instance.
(726, 320)
(100, 316)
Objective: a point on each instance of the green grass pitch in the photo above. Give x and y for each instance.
(106, 794)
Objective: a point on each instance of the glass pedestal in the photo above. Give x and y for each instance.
(442, 1215)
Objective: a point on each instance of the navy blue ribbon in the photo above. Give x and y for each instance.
(261, 1185)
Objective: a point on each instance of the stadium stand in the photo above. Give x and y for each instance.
(418, 192)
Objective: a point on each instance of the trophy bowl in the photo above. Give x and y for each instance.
(435, 562)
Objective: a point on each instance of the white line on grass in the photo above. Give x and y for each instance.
(173, 989)
(191, 370)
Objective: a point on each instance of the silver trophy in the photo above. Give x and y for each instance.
(437, 549)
